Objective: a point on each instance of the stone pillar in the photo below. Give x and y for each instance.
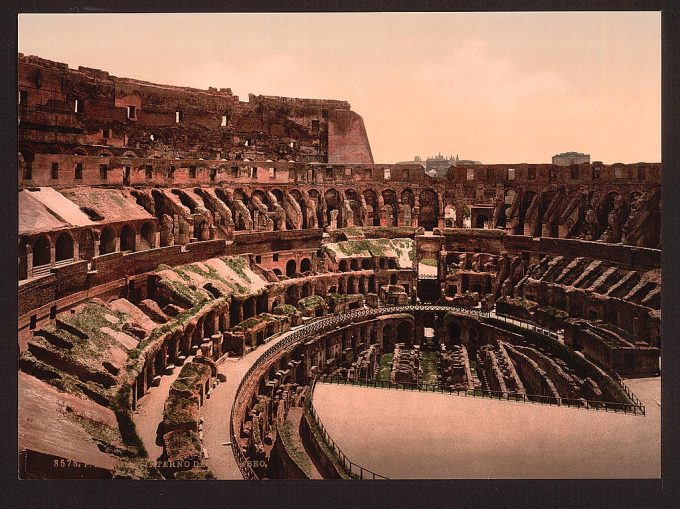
(216, 345)
(137, 238)
(53, 253)
(133, 395)
(76, 249)
(117, 248)
(29, 261)
(164, 356)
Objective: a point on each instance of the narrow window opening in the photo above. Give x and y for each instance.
(79, 171)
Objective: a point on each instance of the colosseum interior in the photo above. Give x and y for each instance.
(194, 268)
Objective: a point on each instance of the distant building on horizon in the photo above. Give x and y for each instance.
(439, 165)
(569, 158)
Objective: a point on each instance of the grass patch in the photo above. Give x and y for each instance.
(385, 367)
(296, 454)
(428, 362)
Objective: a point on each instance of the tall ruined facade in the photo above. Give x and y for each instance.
(160, 223)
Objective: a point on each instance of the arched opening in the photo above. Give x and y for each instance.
(198, 227)
(508, 201)
(372, 212)
(454, 333)
(404, 333)
(390, 201)
(480, 221)
(295, 195)
(307, 289)
(450, 216)
(372, 284)
(354, 264)
(342, 266)
(305, 265)
(332, 199)
(350, 285)
(527, 200)
(261, 303)
(366, 264)
(107, 241)
(127, 238)
(86, 245)
(28, 158)
(429, 209)
(64, 247)
(146, 237)
(292, 295)
(388, 338)
(291, 268)
(249, 308)
(277, 271)
(234, 308)
(41, 252)
(393, 279)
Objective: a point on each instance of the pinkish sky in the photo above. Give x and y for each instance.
(495, 87)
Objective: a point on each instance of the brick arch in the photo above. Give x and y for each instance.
(64, 247)
(107, 240)
(42, 247)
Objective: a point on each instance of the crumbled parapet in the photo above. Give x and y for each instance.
(311, 306)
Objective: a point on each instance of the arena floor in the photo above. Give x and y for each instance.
(425, 435)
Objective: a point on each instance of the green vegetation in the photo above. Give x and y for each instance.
(554, 312)
(254, 321)
(312, 302)
(428, 361)
(296, 454)
(330, 454)
(346, 297)
(285, 309)
(237, 264)
(191, 374)
(518, 301)
(385, 367)
(429, 261)
(399, 248)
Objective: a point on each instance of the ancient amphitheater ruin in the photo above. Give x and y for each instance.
(194, 267)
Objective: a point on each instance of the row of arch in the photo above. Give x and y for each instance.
(84, 244)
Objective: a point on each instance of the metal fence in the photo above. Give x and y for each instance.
(350, 467)
(330, 322)
(607, 406)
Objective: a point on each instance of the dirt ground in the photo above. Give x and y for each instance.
(425, 435)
